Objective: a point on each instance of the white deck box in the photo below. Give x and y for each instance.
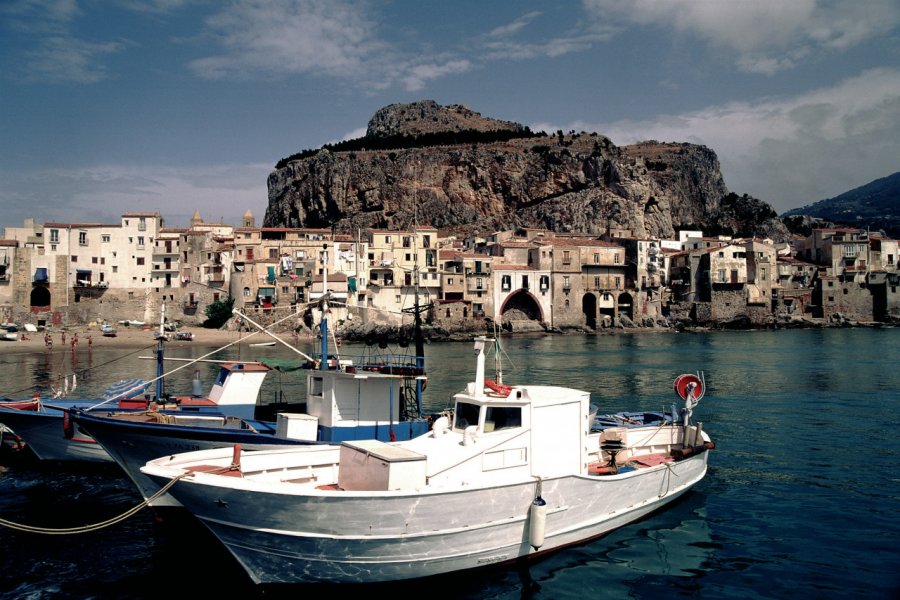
(372, 465)
(297, 426)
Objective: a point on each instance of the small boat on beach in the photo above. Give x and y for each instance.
(513, 472)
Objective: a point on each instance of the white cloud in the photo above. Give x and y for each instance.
(291, 37)
(766, 35)
(67, 59)
(790, 151)
(418, 75)
(101, 194)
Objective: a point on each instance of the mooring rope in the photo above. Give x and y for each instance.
(95, 526)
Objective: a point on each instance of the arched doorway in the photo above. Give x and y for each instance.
(626, 306)
(607, 308)
(589, 308)
(40, 297)
(521, 306)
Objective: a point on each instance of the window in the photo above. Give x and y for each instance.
(478, 284)
(246, 292)
(722, 276)
(94, 260)
(407, 243)
(596, 258)
(54, 235)
(567, 259)
(567, 303)
(618, 282)
(566, 281)
(74, 258)
(140, 241)
(140, 260)
(115, 269)
(466, 415)
(82, 238)
(617, 259)
(597, 283)
(387, 239)
(502, 417)
(449, 281)
(525, 282)
(506, 283)
(104, 238)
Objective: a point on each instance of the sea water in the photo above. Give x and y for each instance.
(801, 497)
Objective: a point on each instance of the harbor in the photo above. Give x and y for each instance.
(782, 474)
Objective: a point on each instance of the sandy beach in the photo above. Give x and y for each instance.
(126, 337)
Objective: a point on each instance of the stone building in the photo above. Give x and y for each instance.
(403, 265)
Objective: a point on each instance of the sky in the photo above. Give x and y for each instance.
(177, 106)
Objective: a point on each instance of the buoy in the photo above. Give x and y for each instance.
(537, 522)
(689, 383)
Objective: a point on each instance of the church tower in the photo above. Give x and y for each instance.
(248, 220)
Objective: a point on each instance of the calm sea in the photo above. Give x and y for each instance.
(801, 499)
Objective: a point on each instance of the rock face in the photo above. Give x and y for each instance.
(576, 182)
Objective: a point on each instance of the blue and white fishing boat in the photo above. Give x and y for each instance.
(347, 398)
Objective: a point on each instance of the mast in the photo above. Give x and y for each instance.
(323, 325)
(160, 348)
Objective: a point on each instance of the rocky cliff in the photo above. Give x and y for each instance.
(451, 168)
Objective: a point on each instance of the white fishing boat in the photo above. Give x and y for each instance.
(515, 471)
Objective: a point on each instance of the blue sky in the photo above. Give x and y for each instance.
(112, 106)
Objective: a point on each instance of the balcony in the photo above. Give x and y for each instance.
(165, 267)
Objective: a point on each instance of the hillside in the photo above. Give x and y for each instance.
(451, 168)
(875, 206)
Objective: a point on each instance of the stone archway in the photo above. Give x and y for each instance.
(521, 307)
(589, 309)
(625, 305)
(40, 297)
(607, 308)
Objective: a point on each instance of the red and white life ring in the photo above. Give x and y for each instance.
(682, 382)
(498, 388)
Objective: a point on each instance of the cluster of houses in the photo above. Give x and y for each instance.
(59, 274)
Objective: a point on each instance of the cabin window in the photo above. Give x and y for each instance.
(502, 417)
(466, 415)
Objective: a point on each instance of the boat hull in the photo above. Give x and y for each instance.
(44, 433)
(132, 445)
(321, 536)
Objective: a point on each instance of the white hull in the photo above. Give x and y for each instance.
(420, 533)
(513, 472)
